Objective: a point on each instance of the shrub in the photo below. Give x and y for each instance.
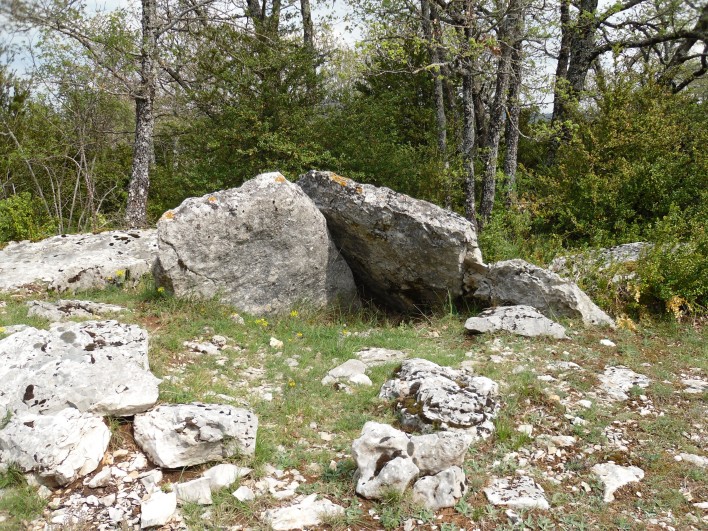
(22, 217)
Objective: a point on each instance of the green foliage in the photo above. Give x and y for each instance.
(640, 152)
(675, 271)
(23, 217)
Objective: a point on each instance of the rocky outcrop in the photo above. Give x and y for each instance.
(514, 282)
(262, 247)
(520, 320)
(391, 460)
(518, 493)
(581, 265)
(408, 254)
(614, 477)
(78, 261)
(60, 447)
(308, 513)
(65, 309)
(430, 396)
(181, 435)
(95, 366)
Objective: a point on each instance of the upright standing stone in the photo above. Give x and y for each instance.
(262, 247)
(409, 254)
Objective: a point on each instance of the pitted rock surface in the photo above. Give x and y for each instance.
(389, 459)
(407, 253)
(262, 247)
(181, 435)
(518, 493)
(521, 320)
(60, 447)
(442, 490)
(95, 366)
(430, 396)
(79, 261)
(515, 282)
(64, 309)
(617, 381)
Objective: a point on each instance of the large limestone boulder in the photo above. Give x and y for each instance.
(262, 247)
(433, 397)
(60, 447)
(95, 366)
(78, 261)
(407, 253)
(514, 282)
(391, 460)
(179, 435)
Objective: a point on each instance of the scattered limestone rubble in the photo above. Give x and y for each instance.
(429, 394)
(389, 459)
(305, 514)
(351, 371)
(60, 447)
(373, 357)
(519, 492)
(617, 381)
(521, 320)
(78, 261)
(697, 460)
(179, 435)
(615, 476)
(62, 310)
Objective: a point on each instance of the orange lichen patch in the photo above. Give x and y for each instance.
(168, 215)
(280, 179)
(343, 181)
(212, 199)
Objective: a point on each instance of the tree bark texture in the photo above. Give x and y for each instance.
(136, 210)
(512, 125)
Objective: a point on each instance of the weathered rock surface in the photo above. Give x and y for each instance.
(407, 253)
(305, 514)
(194, 491)
(65, 309)
(514, 282)
(615, 476)
(693, 459)
(262, 247)
(617, 381)
(389, 459)
(158, 509)
(181, 435)
(60, 447)
(430, 396)
(373, 357)
(577, 266)
(94, 366)
(517, 493)
(444, 489)
(521, 320)
(79, 261)
(351, 371)
(225, 474)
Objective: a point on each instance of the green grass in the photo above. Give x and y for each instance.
(321, 340)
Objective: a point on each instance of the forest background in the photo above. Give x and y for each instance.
(554, 125)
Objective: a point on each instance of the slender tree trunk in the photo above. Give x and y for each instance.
(468, 124)
(308, 34)
(512, 125)
(136, 211)
(497, 116)
(431, 28)
(560, 86)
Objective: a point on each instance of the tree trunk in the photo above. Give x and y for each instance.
(136, 210)
(497, 116)
(468, 123)
(308, 34)
(512, 125)
(431, 28)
